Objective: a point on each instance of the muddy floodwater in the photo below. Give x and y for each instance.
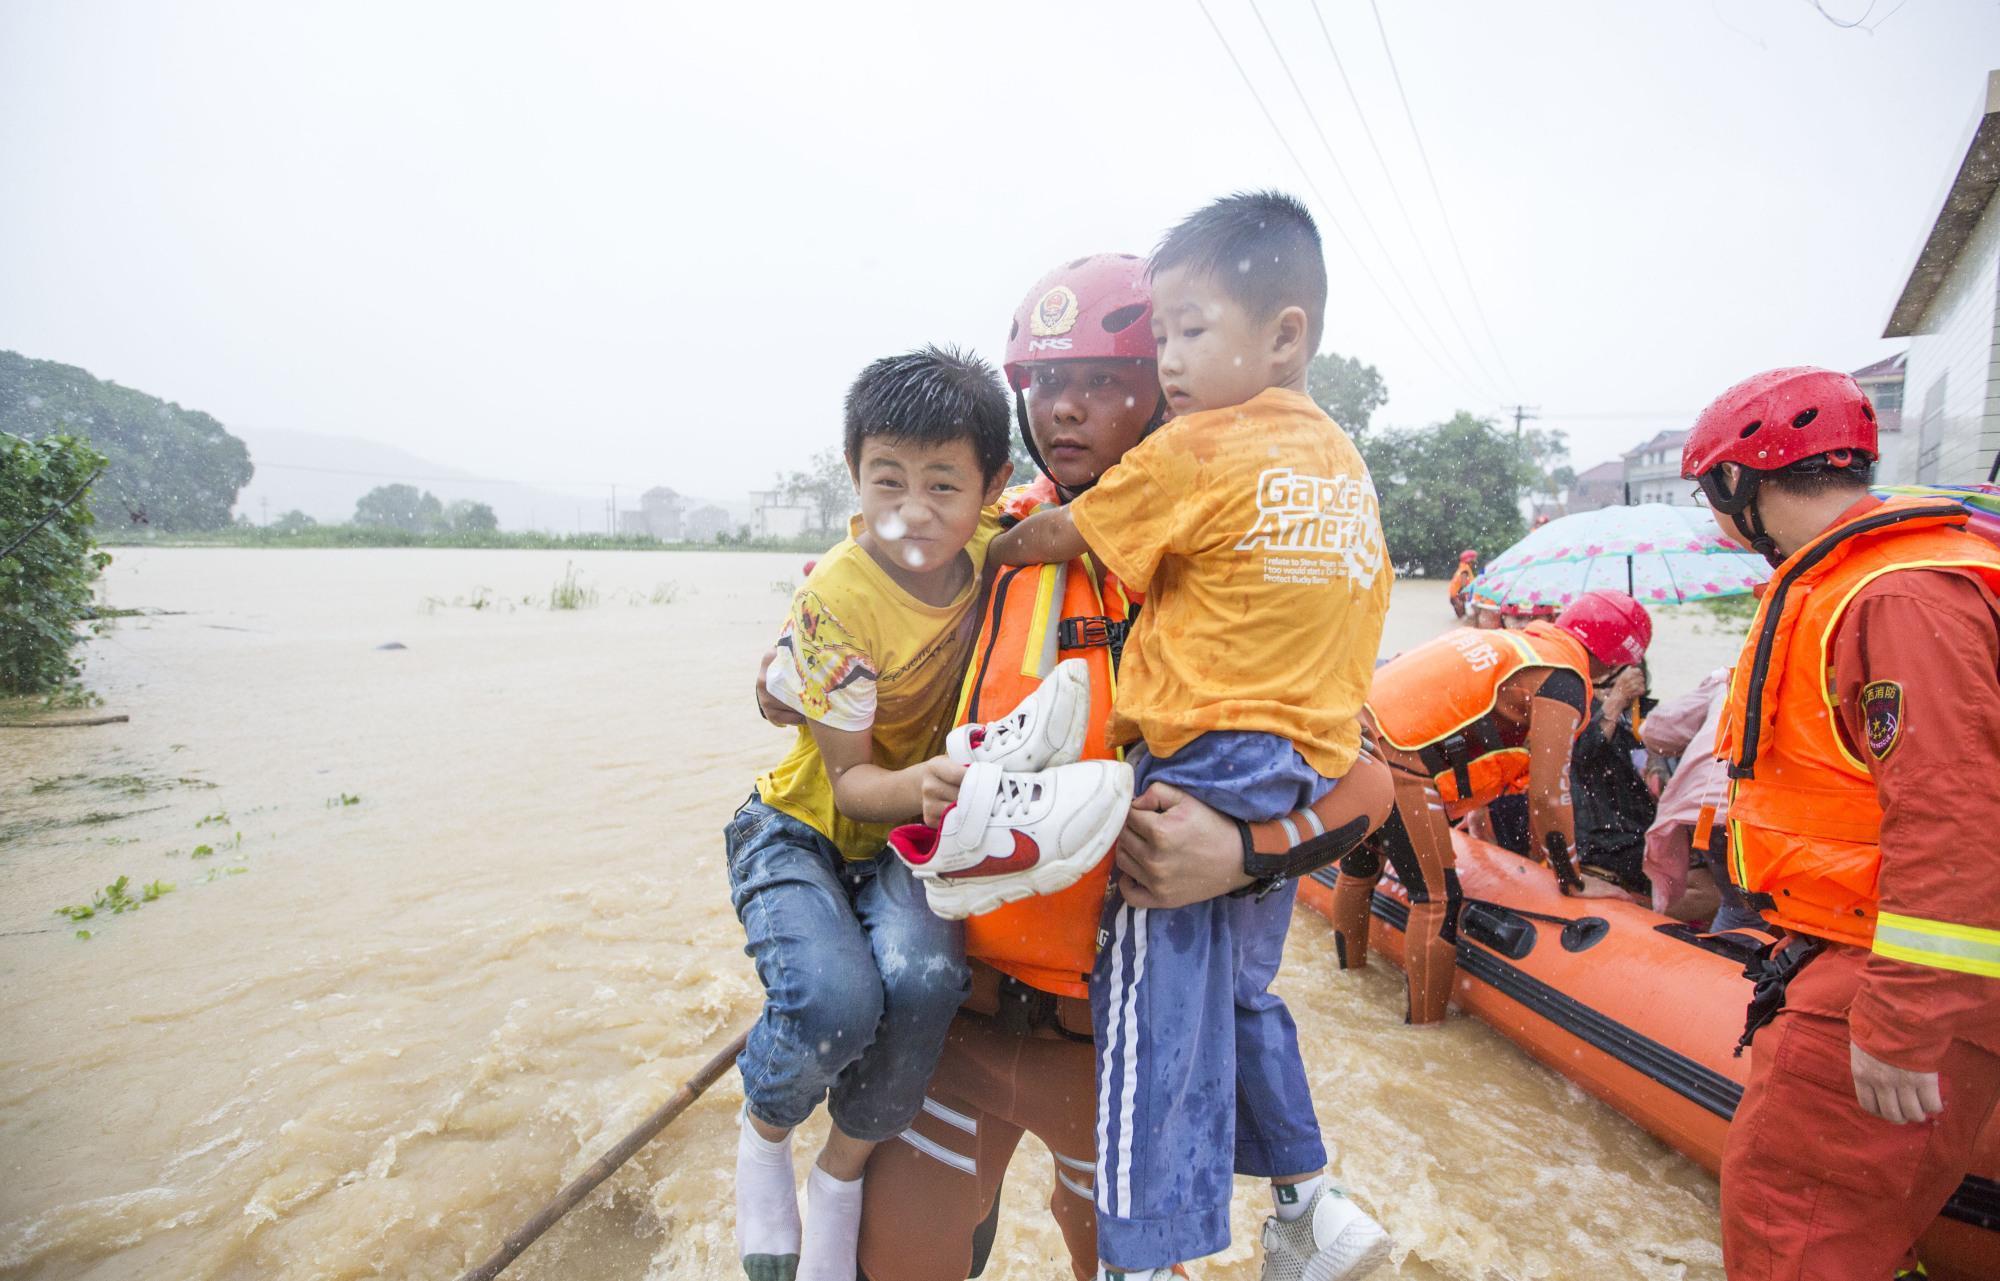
(448, 917)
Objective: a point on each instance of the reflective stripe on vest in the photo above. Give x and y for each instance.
(1049, 941)
(1804, 821)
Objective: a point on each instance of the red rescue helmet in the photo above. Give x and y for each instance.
(1615, 628)
(1095, 308)
(1782, 417)
(1468, 556)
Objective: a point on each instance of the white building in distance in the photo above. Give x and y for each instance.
(1950, 312)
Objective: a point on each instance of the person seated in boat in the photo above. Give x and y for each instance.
(1461, 720)
(1690, 828)
(1461, 580)
(1614, 804)
(1019, 1056)
(1860, 734)
(861, 979)
(1251, 523)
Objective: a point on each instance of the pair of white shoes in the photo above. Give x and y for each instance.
(1031, 817)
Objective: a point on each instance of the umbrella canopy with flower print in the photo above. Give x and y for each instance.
(1662, 555)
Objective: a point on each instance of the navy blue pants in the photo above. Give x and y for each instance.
(1198, 1067)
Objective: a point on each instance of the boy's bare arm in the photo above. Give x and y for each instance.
(868, 793)
(1048, 537)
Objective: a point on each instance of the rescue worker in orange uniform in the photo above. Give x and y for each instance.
(1461, 580)
(1463, 720)
(1860, 735)
(1019, 1057)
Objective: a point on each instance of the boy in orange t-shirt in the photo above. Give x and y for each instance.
(1251, 524)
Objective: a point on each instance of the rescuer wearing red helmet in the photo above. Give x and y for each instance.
(1463, 720)
(1461, 580)
(1869, 682)
(1019, 1058)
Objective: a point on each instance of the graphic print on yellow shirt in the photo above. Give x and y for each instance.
(860, 653)
(1256, 535)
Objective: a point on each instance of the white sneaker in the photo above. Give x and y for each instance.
(1046, 730)
(1334, 1240)
(1015, 835)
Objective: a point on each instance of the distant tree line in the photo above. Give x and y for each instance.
(170, 469)
(1445, 487)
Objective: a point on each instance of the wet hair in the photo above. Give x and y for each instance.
(1261, 248)
(931, 396)
(1811, 477)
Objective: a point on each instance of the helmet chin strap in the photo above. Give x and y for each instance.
(1740, 505)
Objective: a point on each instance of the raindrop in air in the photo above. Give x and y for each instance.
(915, 557)
(893, 526)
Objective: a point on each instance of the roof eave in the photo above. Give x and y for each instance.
(1965, 200)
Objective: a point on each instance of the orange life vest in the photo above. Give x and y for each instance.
(1804, 822)
(1036, 616)
(1434, 701)
(1461, 581)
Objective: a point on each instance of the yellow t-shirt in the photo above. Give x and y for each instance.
(860, 653)
(1255, 533)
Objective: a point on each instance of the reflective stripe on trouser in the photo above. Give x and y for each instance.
(1812, 1186)
(930, 1187)
(1942, 945)
(1185, 1027)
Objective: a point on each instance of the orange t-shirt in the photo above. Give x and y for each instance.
(1255, 534)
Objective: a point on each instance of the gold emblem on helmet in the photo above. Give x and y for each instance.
(1054, 314)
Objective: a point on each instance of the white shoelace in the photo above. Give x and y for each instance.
(1014, 797)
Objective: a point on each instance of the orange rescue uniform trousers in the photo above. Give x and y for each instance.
(1815, 1189)
(929, 1188)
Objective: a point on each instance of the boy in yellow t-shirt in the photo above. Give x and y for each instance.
(861, 979)
(1251, 524)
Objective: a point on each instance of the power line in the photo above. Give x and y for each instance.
(1443, 212)
(1396, 193)
(1340, 171)
(1313, 186)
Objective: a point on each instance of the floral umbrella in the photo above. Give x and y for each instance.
(1662, 555)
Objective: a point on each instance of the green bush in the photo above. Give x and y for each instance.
(45, 582)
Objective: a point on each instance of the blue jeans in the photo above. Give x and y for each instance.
(860, 979)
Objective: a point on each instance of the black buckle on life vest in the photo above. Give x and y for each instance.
(1090, 633)
(1456, 754)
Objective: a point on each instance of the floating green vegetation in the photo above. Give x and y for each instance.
(115, 899)
(202, 851)
(665, 593)
(216, 819)
(570, 593)
(342, 801)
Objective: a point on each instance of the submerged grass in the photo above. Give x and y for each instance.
(570, 592)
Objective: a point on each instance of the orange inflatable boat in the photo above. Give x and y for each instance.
(1637, 1009)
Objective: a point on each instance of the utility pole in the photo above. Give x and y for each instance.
(613, 531)
(265, 503)
(1522, 413)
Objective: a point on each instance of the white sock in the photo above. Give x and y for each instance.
(767, 1201)
(1292, 1199)
(833, 1228)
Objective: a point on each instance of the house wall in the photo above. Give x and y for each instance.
(1951, 393)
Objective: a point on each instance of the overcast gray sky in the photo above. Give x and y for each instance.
(650, 244)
